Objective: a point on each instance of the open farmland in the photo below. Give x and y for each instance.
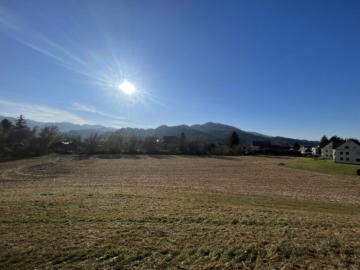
(246, 175)
(178, 212)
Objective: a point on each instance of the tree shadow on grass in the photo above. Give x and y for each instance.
(278, 157)
(161, 156)
(121, 156)
(81, 157)
(169, 156)
(154, 156)
(226, 158)
(211, 157)
(134, 157)
(4, 159)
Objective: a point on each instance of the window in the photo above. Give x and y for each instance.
(341, 158)
(341, 153)
(358, 160)
(347, 159)
(326, 150)
(330, 155)
(326, 155)
(347, 153)
(346, 147)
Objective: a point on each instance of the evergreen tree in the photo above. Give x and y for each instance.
(183, 146)
(234, 139)
(296, 146)
(324, 141)
(5, 130)
(21, 122)
(336, 139)
(6, 125)
(20, 137)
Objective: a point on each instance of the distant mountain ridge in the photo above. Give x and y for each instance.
(214, 132)
(258, 134)
(65, 126)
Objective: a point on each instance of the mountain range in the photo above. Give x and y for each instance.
(67, 127)
(214, 132)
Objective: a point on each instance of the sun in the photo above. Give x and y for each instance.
(127, 88)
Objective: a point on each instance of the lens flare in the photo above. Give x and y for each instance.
(127, 88)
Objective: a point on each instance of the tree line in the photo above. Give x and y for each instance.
(335, 139)
(19, 140)
(115, 143)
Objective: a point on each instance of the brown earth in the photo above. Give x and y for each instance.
(247, 175)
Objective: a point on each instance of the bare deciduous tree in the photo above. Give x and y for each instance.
(150, 144)
(200, 144)
(114, 143)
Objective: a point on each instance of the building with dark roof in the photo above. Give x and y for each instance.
(347, 152)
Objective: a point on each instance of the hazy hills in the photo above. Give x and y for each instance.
(214, 132)
(67, 127)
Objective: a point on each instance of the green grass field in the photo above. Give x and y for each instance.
(324, 166)
(151, 213)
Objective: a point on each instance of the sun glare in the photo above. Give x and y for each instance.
(127, 88)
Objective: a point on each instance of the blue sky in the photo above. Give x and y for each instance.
(289, 68)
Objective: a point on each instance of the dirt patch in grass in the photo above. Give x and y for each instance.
(31, 172)
(247, 175)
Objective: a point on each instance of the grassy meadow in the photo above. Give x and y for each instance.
(143, 212)
(324, 166)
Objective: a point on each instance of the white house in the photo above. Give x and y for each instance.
(348, 152)
(327, 151)
(305, 151)
(315, 150)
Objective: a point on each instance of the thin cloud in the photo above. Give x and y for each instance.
(14, 26)
(92, 109)
(39, 113)
(7, 24)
